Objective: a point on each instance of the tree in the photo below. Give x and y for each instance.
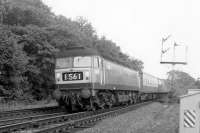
(111, 51)
(13, 64)
(25, 12)
(35, 42)
(182, 81)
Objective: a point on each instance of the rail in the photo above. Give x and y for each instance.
(27, 112)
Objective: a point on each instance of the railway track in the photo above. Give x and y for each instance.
(65, 122)
(28, 112)
(28, 118)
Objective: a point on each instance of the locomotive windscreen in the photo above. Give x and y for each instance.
(64, 62)
(82, 61)
(70, 62)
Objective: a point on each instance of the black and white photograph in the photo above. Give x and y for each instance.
(99, 66)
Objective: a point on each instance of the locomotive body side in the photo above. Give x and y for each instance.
(120, 84)
(117, 77)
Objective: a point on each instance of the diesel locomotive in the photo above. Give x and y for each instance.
(87, 80)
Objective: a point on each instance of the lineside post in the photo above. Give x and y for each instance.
(189, 121)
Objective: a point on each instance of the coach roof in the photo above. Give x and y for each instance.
(77, 51)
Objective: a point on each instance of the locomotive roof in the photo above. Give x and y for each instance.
(71, 52)
(144, 73)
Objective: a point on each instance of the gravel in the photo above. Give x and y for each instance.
(152, 118)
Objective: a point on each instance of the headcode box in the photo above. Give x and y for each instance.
(190, 113)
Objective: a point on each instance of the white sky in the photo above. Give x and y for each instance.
(137, 26)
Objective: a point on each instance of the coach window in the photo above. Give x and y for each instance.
(96, 62)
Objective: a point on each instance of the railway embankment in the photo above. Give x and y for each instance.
(153, 118)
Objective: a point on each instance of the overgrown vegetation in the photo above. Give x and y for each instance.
(30, 34)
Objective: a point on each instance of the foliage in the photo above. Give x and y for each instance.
(109, 50)
(30, 34)
(25, 12)
(13, 63)
(180, 82)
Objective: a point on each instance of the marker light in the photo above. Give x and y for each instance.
(87, 75)
(58, 76)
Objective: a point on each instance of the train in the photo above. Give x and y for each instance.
(87, 80)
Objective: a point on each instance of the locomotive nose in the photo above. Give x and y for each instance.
(57, 94)
(85, 93)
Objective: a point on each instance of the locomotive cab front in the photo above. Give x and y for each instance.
(73, 70)
(75, 76)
